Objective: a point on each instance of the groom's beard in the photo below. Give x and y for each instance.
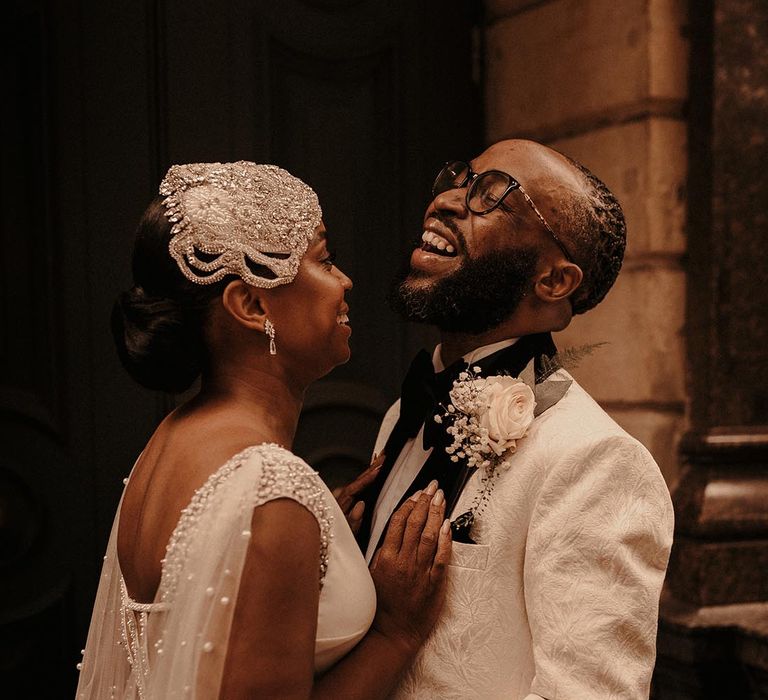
(478, 296)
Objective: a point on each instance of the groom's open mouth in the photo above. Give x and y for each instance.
(432, 242)
(439, 247)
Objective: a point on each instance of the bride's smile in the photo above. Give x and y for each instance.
(311, 315)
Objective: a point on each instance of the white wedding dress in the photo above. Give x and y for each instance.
(175, 647)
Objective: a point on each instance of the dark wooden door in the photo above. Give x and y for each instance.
(363, 100)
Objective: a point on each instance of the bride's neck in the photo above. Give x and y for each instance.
(266, 401)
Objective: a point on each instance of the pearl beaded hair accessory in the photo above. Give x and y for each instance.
(227, 215)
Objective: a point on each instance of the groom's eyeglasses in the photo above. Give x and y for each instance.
(486, 191)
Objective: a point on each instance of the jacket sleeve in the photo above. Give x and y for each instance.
(597, 550)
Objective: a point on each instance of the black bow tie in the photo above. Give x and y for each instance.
(423, 390)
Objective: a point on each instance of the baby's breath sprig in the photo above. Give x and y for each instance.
(469, 438)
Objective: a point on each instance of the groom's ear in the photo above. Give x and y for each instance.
(245, 304)
(558, 282)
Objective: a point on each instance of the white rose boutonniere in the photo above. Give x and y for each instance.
(486, 418)
(507, 412)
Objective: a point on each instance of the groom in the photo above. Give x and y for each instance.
(558, 559)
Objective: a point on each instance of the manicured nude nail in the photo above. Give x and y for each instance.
(438, 498)
(430, 490)
(415, 496)
(445, 528)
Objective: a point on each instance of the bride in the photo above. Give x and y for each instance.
(231, 570)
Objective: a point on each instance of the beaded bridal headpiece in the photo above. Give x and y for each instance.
(227, 215)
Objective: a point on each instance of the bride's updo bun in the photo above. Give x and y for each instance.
(158, 324)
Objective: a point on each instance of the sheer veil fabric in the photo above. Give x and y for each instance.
(176, 646)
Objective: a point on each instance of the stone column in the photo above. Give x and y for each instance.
(713, 638)
(606, 82)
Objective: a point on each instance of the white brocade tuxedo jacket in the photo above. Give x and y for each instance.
(559, 597)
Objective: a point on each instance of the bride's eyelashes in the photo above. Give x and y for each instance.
(329, 260)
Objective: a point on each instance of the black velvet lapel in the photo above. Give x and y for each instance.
(394, 445)
(421, 391)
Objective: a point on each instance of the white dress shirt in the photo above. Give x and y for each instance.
(413, 455)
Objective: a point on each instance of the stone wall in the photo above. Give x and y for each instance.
(605, 82)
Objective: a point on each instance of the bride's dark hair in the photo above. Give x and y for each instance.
(158, 324)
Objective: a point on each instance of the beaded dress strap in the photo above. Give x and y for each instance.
(283, 474)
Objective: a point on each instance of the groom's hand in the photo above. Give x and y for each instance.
(347, 495)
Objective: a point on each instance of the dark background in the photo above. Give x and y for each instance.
(363, 100)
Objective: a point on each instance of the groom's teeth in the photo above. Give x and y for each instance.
(342, 319)
(436, 243)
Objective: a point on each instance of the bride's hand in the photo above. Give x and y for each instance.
(409, 570)
(346, 496)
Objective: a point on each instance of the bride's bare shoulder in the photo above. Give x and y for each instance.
(184, 451)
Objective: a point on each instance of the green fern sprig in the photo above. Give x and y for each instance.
(566, 359)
